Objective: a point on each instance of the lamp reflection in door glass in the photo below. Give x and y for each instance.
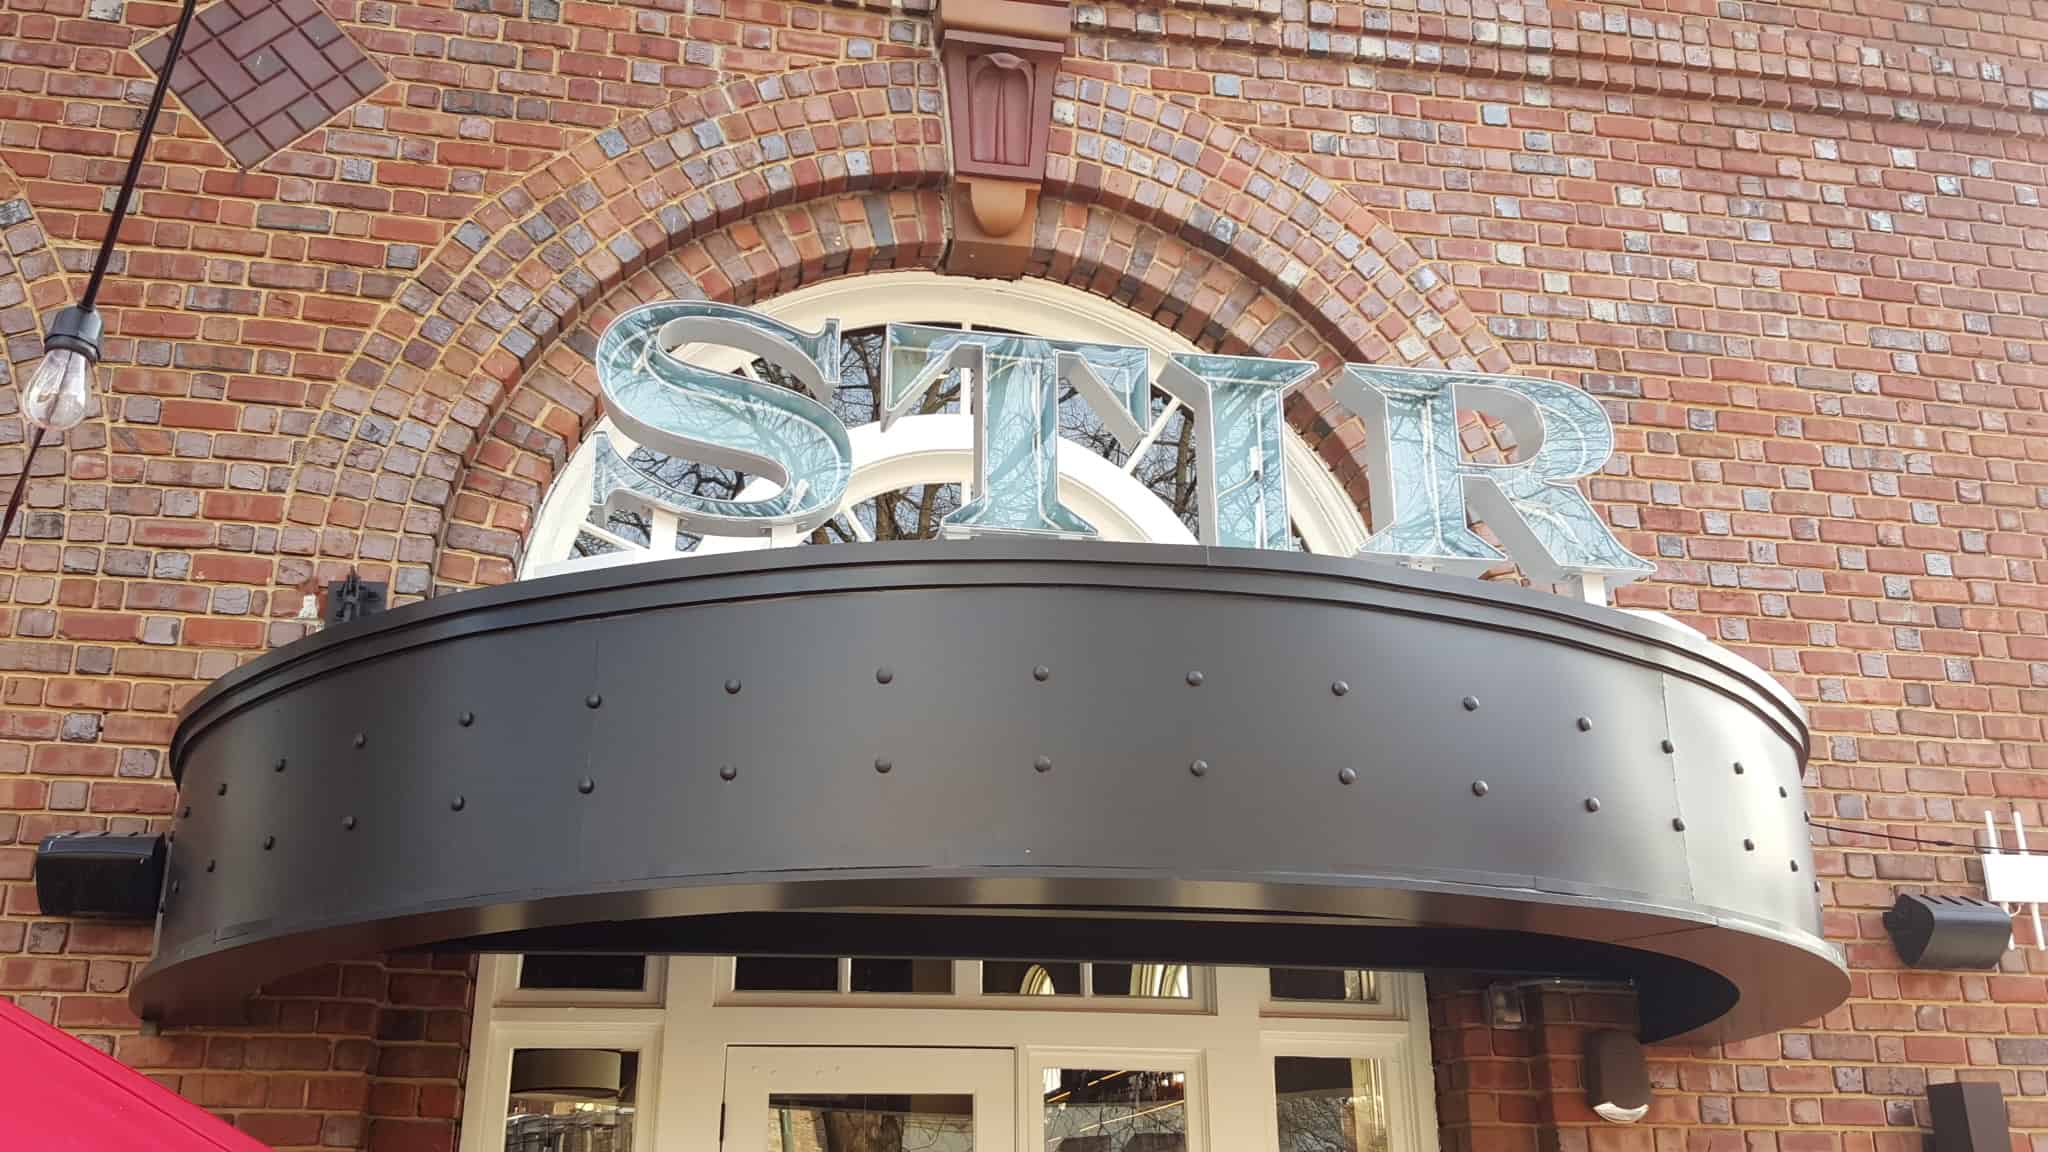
(1113, 1110)
(571, 1100)
(1330, 1104)
(870, 1123)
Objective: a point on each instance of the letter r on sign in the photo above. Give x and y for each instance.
(1422, 483)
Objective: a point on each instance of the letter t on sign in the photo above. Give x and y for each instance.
(1240, 432)
(1421, 481)
(1017, 385)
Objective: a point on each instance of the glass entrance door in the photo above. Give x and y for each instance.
(870, 1100)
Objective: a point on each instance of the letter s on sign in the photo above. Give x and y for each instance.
(1421, 480)
(693, 413)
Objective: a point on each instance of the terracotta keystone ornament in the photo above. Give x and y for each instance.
(1000, 57)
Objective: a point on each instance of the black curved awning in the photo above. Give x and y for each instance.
(1010, 749)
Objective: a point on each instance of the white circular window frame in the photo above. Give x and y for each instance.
(939, 449)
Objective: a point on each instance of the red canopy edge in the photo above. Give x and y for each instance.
(59, 1094)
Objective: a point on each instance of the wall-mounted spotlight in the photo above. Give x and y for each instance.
(1969, 1117)
(1617, 1077)
(1948, 931)
(354, 598)
(100, 874)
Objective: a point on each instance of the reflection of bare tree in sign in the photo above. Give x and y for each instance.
(1167, 468)
(1014, 435)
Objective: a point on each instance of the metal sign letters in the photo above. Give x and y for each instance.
(1422, 484)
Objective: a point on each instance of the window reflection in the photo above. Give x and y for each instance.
(922, 977)
(870, 1123)
(785, 974)
(1168, 981)
(1031, 978)
(821, 974)
(1330, 1104)
(571, 1100)
(583, 972)
(1115, 1110)
(1328, 985)
(934, 977)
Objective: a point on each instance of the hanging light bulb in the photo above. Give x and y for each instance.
(56, 396)
(59, 394)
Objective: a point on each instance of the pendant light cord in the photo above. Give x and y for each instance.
(20, 485)
(156, 105)
(107, 242)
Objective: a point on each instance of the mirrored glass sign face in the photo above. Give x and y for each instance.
(1163, 463)
(779, 423)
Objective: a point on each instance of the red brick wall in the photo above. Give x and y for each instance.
(1796, 247)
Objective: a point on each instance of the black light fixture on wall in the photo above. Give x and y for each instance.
(1933, 931)
(1969, 1117)
(59, 393)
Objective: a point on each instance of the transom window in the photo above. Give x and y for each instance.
(970, 980)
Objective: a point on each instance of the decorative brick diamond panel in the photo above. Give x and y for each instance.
(262, 73)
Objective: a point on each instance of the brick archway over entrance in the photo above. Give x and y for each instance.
(433, 453)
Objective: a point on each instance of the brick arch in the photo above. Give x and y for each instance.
(433, 453)
(1359, 285)
(427, 397)
(1164, 277)
(555, 402)
(1314, 245)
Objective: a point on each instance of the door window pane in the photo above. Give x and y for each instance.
(785, 974)
(1330, 1104)
(1338, 985)
(1029, 978)
(920, 976)
(1168, 981)
(870, 1123)
(1115, 1110)
(584, 972)
(571, 1100)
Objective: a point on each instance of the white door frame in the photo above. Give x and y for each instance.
(1225, 1036)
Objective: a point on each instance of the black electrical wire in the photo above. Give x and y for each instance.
(35, 441)
(1893, 836)
(148, 130)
